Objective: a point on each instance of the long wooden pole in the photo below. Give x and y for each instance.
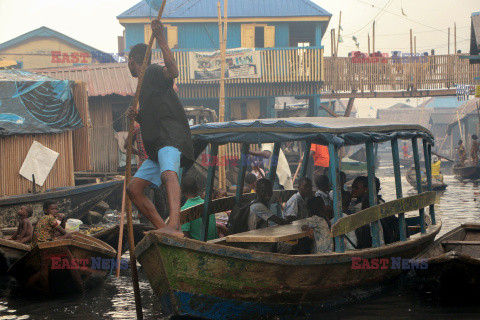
(221, 106)
(411, 43)
(448, 40)
(128, 176)
(120, 232)
(369, 44)
(373, 37)
(332, 34)
(338, 39)
(455, 37)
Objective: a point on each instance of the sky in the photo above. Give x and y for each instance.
(94, 23)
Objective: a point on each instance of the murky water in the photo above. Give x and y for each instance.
(114, 299)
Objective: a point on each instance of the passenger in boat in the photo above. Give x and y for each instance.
(474, 149)
(283, 179)
(296, 206)
(321, 158)
(462, 154)
(250, 181)
(324, 187)
(221, 218)
(406, 154)
(436, 165)
(165, 132)
(260, 215)
(360, 193)
(47, 225)
(25, 229)
(193, 228)
(389, 225)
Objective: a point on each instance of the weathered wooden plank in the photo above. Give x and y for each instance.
(271, 234)
(383, 210)
(459, 243)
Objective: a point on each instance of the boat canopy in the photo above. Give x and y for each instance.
(321, 130)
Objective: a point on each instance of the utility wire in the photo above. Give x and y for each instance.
(383, 10)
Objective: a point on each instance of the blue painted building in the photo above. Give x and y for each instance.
(287, 33)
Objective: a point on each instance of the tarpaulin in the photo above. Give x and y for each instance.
(31, 103)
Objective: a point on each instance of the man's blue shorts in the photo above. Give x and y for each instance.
(168, 159)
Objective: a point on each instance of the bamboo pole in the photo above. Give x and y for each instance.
(128, 176)
(221, 109)
(455, 37)
(411, 45)
(120, 232)
(448, 40)
(338, 39)
(373, 37)
(332, 34)
(369, 44)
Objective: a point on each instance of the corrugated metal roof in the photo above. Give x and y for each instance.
(236, 9)
(101, 79)
(442, 102)
(475, 35)
(442, 118)
(419, 116)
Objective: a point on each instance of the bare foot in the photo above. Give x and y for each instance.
(171, 231)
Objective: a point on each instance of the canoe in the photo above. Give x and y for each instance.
(437, 185)
(64, 266)
(74, 202)
(221, 282)
(111, 235)
(10, 252)
(467, 173)
(452, 263)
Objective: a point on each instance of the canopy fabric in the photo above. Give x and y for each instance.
(31, 103)
(321, 130)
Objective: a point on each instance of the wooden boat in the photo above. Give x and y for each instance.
(74, 202)
(10, 252)
(64, 266)
(466, 173)
(437, 185)
(220, 280)
(452, 262)
(111, 235)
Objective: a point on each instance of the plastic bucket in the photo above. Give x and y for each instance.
(73, 225)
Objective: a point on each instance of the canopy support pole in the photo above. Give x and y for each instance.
(398, 188)
(306, 158)
(337, 194)
(208, 193)
(241, 172)
(427, 151)
(274, 162)
(418, 175)
(372, 192)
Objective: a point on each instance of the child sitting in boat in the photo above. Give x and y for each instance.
(25, 229)
(296, 207)
(48, 224)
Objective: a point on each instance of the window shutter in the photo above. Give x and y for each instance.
(269, 37)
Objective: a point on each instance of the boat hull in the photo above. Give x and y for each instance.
(10, 252)
(54, 267)
(467, 173)
(219, 282)
(74, 202)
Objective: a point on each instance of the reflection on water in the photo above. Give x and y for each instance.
(114, 299)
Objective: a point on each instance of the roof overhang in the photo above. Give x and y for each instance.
(146, 20)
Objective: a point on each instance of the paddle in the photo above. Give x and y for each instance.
(128, 176)
(120, 233)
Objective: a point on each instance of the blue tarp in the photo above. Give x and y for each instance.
(31, 103)
(339, 131)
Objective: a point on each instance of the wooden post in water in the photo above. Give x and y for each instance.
(372, 192)
(398, 188)
(208, 193)
(427, 151)
(337, 193)
(418, 174)
(241, 172)
(128, 176)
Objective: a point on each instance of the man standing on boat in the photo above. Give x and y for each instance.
(165, 132)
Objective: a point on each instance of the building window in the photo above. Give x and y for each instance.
(258, 36)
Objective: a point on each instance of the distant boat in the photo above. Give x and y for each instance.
(467, 173)
(64, 266)
(74, 202)
(437, 185)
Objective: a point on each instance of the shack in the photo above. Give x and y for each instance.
(42, 109)
(464, 125)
